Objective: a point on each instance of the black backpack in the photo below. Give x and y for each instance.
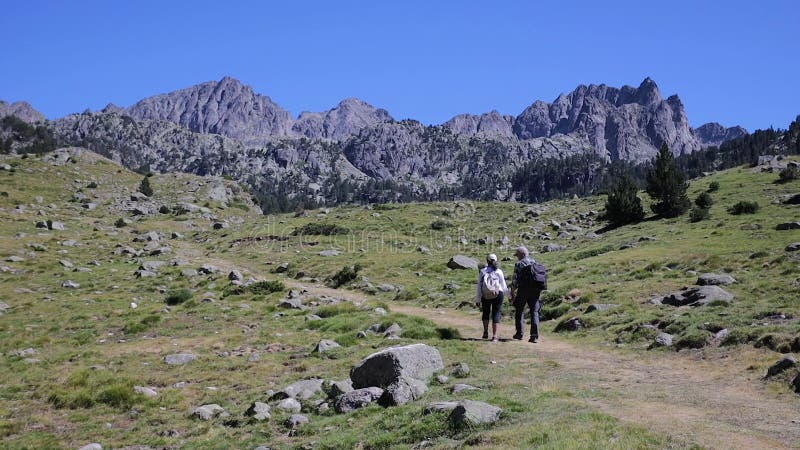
(533, 275)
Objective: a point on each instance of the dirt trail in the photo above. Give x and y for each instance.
(716, 403)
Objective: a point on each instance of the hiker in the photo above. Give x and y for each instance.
(525, 291)
(491, 290)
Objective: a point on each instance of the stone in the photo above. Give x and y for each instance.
(442, 379)
(461, 370)
(144, 273)
(24, 352)
(471, 413)
(4, 307)
(295, 420)
(600, 307)
(69, 284)
(302, 389)
(356, 399)
(290, 405)
(698, 296)
(555, 225)
(92, 446)
(220, 225)
(549, 248)
(460, 387)
(788, 226)
(258, 411)
(282, 268)
(208, 269)
(291, 303)
(312, 317)
(336, 388)
(715, 279)
(146, 391)
(58, 226)
(189, 273)
(402, 391)
(179, 359)
(151, 265)
(439, 407)
(662, 340)
(325, 345)
(423, 249)
(15, 259)
(66, 263)
(209, 412)
(393, 330)
(461, 262)
(380, 311)
(793, 247)
(329, 253)
(572, 324)
(386, 287)
(785, 363)
(235, 275)
(381, 369)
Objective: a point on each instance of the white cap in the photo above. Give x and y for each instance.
(491, 257)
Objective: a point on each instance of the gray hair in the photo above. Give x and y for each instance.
(524, 250)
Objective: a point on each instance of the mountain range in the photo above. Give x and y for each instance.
(225, 128)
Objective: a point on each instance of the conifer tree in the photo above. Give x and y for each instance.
(623, 206)
(144, 187)
(667, 186)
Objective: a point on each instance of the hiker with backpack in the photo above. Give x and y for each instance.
(491, 290)
(527, 284)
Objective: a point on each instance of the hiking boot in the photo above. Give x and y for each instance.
(495, 339)
(518, 337)
(532, 339)
(486, 335)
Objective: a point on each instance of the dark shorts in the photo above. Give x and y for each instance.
(491, 308)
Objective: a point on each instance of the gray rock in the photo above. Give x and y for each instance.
(715, 279)
(208, 269)
(442, 379)
(549, 248)
(785, 363)
(793, 247)
(24, 352)
(460, 387)
(295, 420)
(402, 391)
(15, 259)
(461, 370)
(326, 345)
(144, 273)
(189, 273)
(386, 287)
(662, 340)
(69, 284)
(290, 405)
(235, 275)
(258, 411)
(470, 413)
(151, 265)
(302, 389)
(462, 262)
(600, 307)
(4, 307)
(423, 249)
(381, 369)
(356, 399)
(312, 317)
(393, 330)
(58, 226)
(179, 359)
(150, 236)
(291, 303)
(439, 407)
(698, 296)
(282, 268)
(572, 324)
(220, 225)
(329, 253)
(788, 226)
(93, 446)
(66, 263)
(380, 311)
(209, 412)
(146, 391)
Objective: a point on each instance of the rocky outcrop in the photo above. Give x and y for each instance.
(341, 122)
(491, 124)
(714, 134)
(22, 110)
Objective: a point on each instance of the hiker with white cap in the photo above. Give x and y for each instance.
(491, 290)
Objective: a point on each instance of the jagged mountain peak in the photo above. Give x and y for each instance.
(713, 133)
(22, 110)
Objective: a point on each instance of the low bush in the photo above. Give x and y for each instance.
(177, 297)
(743, 207)
(713, 187)
(320, 229)
(698, 214)
(346, 275)
(440, 224)
(704, 200)
(790, 173)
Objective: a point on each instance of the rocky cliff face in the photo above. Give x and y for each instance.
(715, 134)
(22, 110)
(626, 123)
(491, 124)
(341, 122)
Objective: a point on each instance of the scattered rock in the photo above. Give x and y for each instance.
(380, 311)
(793, 247)
(258, 411)
(461, 370)
(295, 420)
(470, 413)
(423, 249)
(4, 307)
(356, 399)
(442, 379)
(549, 248)
(282, 268)
(235, 275)
(787, 362)
(58, 226)
(291, 303)
(336, 388)
(66, 263)
(788, 226)
(329, 253)
(24, 352)
(325, 345)
(715, 279)
(189, 273)
(151, 265)
(144, 273)
(209, 412)
(179, 359)
(628, 245)
(417, 361)
(795, 383)
(402, 392)
(600, 307)
(572, 324)
(386, 287)
(69, 284)
(439, 407)
(92, 446)
(698, 296)
(302, 389)
(461, 262)
(290, 405)
(146, 391)
(208, 269)
(220, 225)
(394, 331)
(662, 340)
(458, 388)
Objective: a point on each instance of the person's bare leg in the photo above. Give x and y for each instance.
(494, 330)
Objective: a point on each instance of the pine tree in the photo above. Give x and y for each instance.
(623, 206)
(667, 186)
(144, 187)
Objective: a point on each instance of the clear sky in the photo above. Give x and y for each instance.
(735, 62)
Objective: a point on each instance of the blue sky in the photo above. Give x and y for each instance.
(734, 62)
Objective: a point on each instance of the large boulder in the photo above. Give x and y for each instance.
(358, 398)
(383, 368)
(402, 392)
(325, 345)
(302, 389)
(470, 413)
(258, 411)
(715, 279)
(208, 412)
(698, 296)
(439, 407)
(462, 262)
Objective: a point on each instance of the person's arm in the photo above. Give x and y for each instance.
(506, 291)
(512, 292)
(479, 292)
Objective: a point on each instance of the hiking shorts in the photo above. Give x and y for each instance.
(492, 308)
